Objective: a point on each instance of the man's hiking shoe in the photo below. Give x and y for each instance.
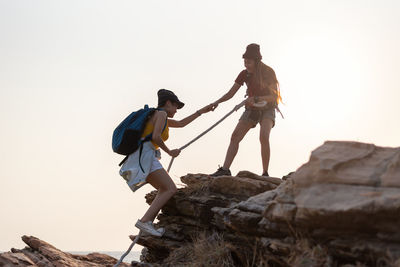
(220, 172)
(265, 174)
(148, 228)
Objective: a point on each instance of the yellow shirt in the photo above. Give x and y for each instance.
(149, 129)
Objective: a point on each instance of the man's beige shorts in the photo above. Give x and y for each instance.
(255, 116)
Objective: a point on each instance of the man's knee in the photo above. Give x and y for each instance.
(236, 137)
(264, 139)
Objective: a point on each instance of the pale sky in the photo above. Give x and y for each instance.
(70, 71)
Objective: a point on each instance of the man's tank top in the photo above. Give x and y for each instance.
(149, 129)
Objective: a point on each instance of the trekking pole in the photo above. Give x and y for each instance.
(209, 129)
(129, 249)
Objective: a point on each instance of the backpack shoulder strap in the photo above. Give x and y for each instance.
(147, 138)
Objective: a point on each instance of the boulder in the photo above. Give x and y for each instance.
(42, 254)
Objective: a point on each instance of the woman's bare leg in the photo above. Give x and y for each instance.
(265, 130)
(161, 181)
(240, 131)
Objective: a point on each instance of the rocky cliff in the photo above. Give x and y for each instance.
(342, 208)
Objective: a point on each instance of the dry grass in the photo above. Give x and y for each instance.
(212, 250)
(205, 250)
(305, 254)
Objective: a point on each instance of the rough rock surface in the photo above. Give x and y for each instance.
(42, 254)
(342, 208)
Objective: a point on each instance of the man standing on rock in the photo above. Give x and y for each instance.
(262, 87)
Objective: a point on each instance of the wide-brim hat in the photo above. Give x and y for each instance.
(252, 52)
(164, 95)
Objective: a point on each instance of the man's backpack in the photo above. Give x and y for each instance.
(127, 137)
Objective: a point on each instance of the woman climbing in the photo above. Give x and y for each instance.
(262, 86)
(158, 126)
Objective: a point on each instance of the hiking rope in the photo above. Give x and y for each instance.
(209, 129)
(129, 249)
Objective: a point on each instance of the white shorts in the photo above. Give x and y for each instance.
(156, 164)
(136, 169)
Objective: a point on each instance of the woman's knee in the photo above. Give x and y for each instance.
(170, 189)
(161, 181)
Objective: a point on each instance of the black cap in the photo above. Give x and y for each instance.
(252, 52)
(164, 95)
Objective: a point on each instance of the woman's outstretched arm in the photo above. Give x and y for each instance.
(190, 118)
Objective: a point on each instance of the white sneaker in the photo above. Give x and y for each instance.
(148, 228)
(161, 230)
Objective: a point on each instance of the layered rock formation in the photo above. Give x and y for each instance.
(342, 208)
(42, 254)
